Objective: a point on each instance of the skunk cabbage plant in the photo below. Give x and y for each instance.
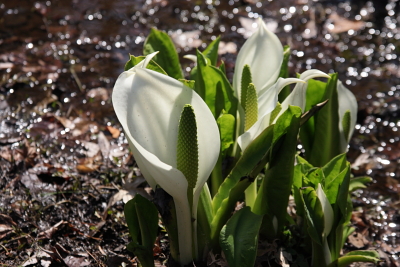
(182, 131)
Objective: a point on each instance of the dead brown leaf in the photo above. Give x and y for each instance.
(49, 232)
(113, 131)
(341, 24)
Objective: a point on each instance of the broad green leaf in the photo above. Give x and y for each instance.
(250, 157)
(219, 99)
(168, 58)
(314, 214)
(314, 95)
(188, 83)
(342, 209)
(356, 256)
(310, 113)
(299, 180)
(359, 183)
(314, 177)
(133, 61)
(209, 80)
(335, 171)
(239, 237)
(273, 195)
(226, 125)
(233, 186)
(326, 142)
(285, 73)
(142, 218)
(211, 51)
(346, 124)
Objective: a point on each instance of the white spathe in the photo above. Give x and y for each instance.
(269, 99)
(266, 104)
(149, 105)
(263, 52)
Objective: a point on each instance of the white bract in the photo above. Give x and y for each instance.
(149, 105)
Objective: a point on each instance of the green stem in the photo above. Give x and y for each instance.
(216, 176)
(225, 212)
(204, 218)
(318, 255)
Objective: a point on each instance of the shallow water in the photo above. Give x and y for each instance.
(60, 59)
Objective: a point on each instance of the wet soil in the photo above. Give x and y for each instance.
(65, 166)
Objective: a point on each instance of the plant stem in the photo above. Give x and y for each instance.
(216, 176)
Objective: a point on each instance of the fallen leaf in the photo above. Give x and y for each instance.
(113, 131)
(358, 240)
(99, 93)
(86, 168)
(49, 232)
(340, 24)
(104, 145)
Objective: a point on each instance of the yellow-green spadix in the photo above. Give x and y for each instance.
(149, 106)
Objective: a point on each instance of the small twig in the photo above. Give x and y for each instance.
(78, 82)
(4, 249)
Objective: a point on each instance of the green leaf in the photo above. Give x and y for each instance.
(239, 237)
(133, 61)
(359, 183)
(226, 125)
(356, 256)
(188, 83)
(334, 175)
(284, 73)
(346, 124)
(210, 80)
(250, 157)
(314, 177)
(211, 52)
(273, 195)
(314, 95)
(342, 210)
(314, 214)
(299, 176)
(168, 58)
(233, 186)
(142, 218)
(324, 141)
